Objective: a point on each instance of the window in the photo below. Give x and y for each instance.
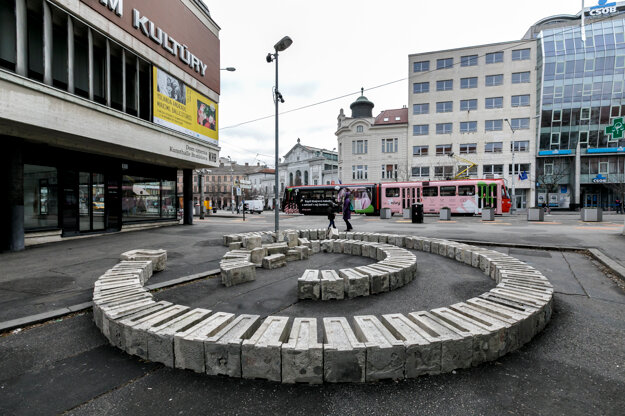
(448, 190)
(443, 149)
(421, 66)
(359, 147)
(467, 148)
(519, 168)
(468, 126)
(445, 85)
(548, 168)
(493, 125)
(444, 63)
(520, 123)
(493, 169)
(466, 83)
(443, 172)
(443, 128)
(389, 145)
(585, 114)
(420, 87)
(389, 171)
(420, 150)
(494, 80)
(430, 191)
(520, 146)
(494, 57)
(520, 100)
(494, 102)
(583, 139)
(493, 147)
(520, 77)
(422, 171)
(467, 171)
(469, 60)
(445, 107)
(423, 108)
(555, 139)
(359, 129)
(420, 129)
(359, 172)
(520, 54)
(468, 105)
(466, 190)
(392, 192)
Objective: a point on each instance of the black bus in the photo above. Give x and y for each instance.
(316, 199)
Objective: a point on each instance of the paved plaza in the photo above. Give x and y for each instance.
(64, 364)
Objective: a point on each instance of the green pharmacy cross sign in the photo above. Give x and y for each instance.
(616, 129)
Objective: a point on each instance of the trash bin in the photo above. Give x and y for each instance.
(417, 213)
(385, 213)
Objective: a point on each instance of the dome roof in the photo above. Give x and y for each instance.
(362, 107)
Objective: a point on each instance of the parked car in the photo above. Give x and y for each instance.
(254, 206)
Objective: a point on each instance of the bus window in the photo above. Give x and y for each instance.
(466, 190)
(392, 192)
(448, 191)
(430, 191)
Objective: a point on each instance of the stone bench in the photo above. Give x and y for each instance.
(157, 257)
(237, 272)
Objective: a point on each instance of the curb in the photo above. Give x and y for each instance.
(61, 312)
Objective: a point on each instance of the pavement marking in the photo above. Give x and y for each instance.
(495, 223)
(595, 228)
(546, 222)
(447, 221)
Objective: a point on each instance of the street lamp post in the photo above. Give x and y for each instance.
(284, 43)
(231, 186)
(513, 207)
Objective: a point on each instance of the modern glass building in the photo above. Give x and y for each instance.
(580, 92)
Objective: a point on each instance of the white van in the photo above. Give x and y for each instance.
(254, 205)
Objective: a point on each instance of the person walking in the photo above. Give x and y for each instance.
(347, 212)
(331, 216)
(619, 206)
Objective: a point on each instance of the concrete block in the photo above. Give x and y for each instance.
(293, 255)
(423, 349)
(309, 285)
(386, 354)
(290, 238)
(113, 321)
(161, 338)
(315, 246)
(276, 248)
(333, 233)
(344, 357)
(338, 246)
(395, 274)
(236, 245)
(231, 238)
(342, 235)
(304, 251)
(304, 234)
(104, 316)
(261, 354)
(327, 246)
(378, 280)
(302, 355)
(304, 242)
(274, 261)
(252, 242)
(356, 248)
(257, 255)
(332, 285)
(314, 235)
(222, 351)
(526, 321)
(356, 283)
(157, 257)
(236, 273)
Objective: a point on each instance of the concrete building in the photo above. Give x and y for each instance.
(372, 149)
(475, 107)
(263, 185)
(100, 106)
(307, 165)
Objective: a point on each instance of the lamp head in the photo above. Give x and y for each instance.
(269, 58)
(284, 43)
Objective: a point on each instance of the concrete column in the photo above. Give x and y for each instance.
(578, 186)
(108, 73)
(70, 55)
(21, 38)
(187, 196)
(123, 80)
(137, 89)
(47, 44)
(90, 40)
(12, 210)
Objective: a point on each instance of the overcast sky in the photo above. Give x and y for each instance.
(339, 47)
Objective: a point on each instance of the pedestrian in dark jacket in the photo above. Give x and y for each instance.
(331, 216)
(347, 213)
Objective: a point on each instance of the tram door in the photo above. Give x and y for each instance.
(409, 196)
(486, 195)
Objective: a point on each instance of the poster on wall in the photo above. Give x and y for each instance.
(183, 109)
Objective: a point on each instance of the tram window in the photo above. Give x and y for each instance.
(430, 191)
(466, 190)
(392, 192)
(448, 191)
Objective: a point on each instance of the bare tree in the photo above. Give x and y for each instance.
(617, 187)
(551, 172)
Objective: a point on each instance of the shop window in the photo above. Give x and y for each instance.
(140, 198)
(40, 197)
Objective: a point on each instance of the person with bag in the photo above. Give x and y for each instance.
(331, 216)
(347, 211)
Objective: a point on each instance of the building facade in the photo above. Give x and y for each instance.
(101, 104)
(307, 165)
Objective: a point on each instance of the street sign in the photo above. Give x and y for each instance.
(245, 184)
(238, 191)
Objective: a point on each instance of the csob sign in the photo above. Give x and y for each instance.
(602, 8)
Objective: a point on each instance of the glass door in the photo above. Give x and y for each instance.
(91, 201)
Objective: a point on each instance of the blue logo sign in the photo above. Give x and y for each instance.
(603, 3)
(603, 7)
(599, 179)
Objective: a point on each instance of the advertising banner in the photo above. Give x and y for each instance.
(183, 109)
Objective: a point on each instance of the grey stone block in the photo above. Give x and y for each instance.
(293, 255)
(274, 261)
(327, 246)
(157, 257)
(315, 246)
(302, 355)
(344, 357)
(231, 238)
(378, 280)
(261, 355)
(309, 285)
(290, 238)
(236, 273)
(332, 285)
(189, 344)
(276, 248)
(257, 255)
(386, 355)
(116, 329)
(236, 245)
(252, 242)
(356, 283)
(104, 316)
(222, 351)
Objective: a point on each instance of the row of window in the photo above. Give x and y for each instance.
(451, 170)
(360, 147)
(472, 82)
(471, 126)
(468, 148)
(472, 60)
(471, 104)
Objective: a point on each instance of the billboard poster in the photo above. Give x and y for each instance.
(183, 109)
